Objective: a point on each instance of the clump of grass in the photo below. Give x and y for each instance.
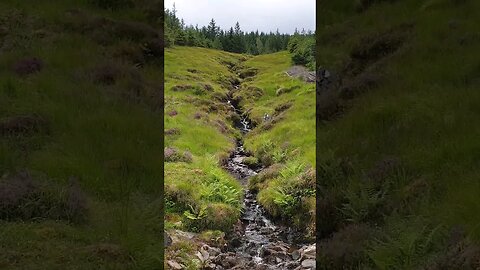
(284, 90)
(287, 195)
(346, 248)
(106, 74)
(23, 198)
(173, 155)
(23, 125)
(172, 131)
(28, 66)
(251, 162)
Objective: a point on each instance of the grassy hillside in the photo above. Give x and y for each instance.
(200, 195)
(80, 136)
(199, 136)
(286, 141)
(398, 133)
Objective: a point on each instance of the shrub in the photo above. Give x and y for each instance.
(302, 49)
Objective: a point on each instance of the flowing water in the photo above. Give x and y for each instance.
(257, 243)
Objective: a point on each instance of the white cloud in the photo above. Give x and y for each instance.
(264, 15)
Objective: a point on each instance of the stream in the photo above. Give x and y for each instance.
(257, 242)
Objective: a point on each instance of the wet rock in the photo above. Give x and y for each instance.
(212, 251)
(292, 265)
(296, 255)
(309, 251)
(309, 264)
(264, 252)
(200, 256)
(175, 265)
(167, 239)
(302, 73)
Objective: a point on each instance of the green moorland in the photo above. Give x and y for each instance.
(199, 135)
(398, 137)
(80, 135)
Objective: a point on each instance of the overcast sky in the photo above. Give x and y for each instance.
(264, 15)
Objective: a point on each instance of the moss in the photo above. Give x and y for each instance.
(251, 162)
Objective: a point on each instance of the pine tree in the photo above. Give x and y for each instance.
(232, 40)
(212, 30)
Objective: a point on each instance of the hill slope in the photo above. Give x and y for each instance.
(398, 134)
(80, 136)
(200, 135)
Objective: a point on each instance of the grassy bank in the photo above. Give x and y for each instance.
(200, 195)
(284, 141)
(80, 137)
(398, 135)
(198, 137)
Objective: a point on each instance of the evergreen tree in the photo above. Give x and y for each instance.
(232, 40)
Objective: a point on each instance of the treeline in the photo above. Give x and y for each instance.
(212, 36)
(302, 48)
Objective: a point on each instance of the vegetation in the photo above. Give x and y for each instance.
(231, 40)
(283, 141)
(200, 195)
(399, 150)
(80, 135)
(302, 49)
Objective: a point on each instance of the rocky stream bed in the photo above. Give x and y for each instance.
(257, 242)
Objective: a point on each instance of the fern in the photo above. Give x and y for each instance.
(196, 214)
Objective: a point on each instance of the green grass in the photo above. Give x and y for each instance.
(289, 140)
(422, 113)
(202, 185)
(200, 195)
(109, 142)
